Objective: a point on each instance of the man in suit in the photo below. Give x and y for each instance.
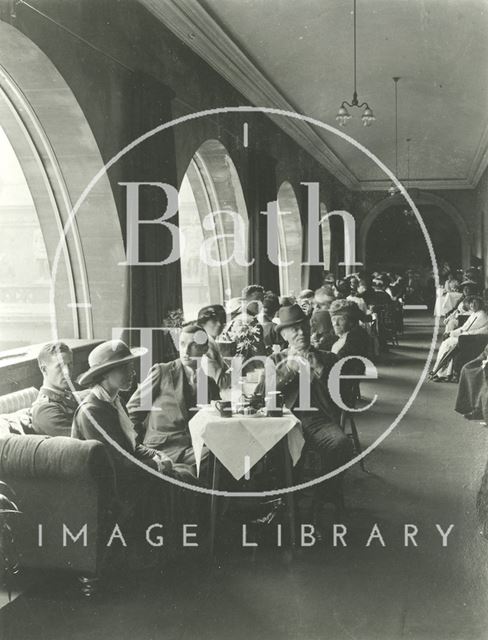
(163, 404)
(320, 421)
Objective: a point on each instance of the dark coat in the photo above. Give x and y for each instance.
(106, 415)
(472, 385)
(288, 382)
(356, 344)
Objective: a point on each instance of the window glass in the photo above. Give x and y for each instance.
(24, 268)
(290, 241)
(212, 216)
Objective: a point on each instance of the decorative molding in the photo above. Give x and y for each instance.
(189, 21)
(480, 160)
(196, 28)
(432, 185)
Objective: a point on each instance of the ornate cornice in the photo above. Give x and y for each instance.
(194, 26)
(188, 20)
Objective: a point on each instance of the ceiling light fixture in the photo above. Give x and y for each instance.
(393, 190)
(343, 114)
(408, 211)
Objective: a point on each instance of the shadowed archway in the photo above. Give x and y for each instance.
(446, 226)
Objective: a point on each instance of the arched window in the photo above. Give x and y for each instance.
(210, 202)
(289, 241)
(326, 237)
(48, 156)
(24, 268)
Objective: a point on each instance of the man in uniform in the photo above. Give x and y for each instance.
(53, 410)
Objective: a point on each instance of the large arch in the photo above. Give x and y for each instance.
(209, 196)
(290, 241)
(58, 156)
(420, 198)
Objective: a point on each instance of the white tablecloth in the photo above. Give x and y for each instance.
(241, 441)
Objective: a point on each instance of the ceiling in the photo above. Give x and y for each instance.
(302, 55)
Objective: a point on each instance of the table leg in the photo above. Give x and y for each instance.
(214, 500)
(289, 497)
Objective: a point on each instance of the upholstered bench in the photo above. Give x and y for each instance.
(60, 484)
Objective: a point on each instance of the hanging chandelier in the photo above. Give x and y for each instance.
(394, 189)
(343, 114)
(408, 211)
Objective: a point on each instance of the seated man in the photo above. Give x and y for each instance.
(162, 405)
(320, 422)
(271, 304)
(53, 410)
(306, 301)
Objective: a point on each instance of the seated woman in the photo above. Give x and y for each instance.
(212, 319)
(472, 387)
(141, 497)
(476, 323)
(352, 340)
(102, 415)
(452, 317)
(322, 334)
(357, 299)
(449, 299)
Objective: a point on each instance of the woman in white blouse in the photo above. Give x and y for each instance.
(477, 323)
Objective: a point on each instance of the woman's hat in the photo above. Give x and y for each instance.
(345, 307)
(306, 293)
(290, 316)
(233, 306)
(211, 312)
(106, 356)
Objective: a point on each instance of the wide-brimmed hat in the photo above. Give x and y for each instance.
(290, 316)
(106, 356)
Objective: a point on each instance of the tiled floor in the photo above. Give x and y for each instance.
(425, 473)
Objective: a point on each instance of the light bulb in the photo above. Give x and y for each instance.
(342, 116)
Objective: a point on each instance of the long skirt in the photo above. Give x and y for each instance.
(443, 364)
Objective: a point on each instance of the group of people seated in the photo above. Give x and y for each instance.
(150, 429)
(462, 305)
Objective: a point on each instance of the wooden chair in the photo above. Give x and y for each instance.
(347, 418)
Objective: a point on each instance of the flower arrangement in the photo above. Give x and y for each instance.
(174, 318)
(247, 336)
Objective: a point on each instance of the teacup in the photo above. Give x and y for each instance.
(224, 407)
